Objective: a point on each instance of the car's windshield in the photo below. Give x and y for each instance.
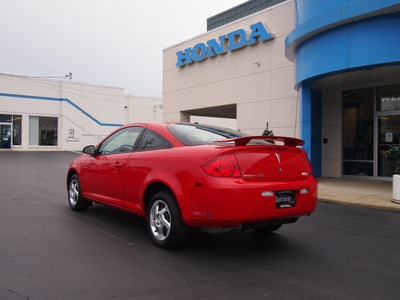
(198, 134)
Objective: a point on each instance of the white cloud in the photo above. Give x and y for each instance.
(107, 42)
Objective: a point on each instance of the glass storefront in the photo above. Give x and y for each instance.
(358, 132)
(371, 132)
(5, 136)
(43, 131)
(10, 131)
(17, 130)
(5, 131)
(388, 114)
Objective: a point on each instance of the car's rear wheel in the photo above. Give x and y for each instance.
(76, 200)
(164, 221)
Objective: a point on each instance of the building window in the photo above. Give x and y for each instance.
(11, 126)
(358, 132)
(43, 131)
(5, 118)
(371, 139)
(239, 11)
(17, 130)
(388, 111)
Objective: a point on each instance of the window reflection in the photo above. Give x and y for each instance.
(43, 131)
(358, 132)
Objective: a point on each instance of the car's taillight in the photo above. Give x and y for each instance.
(223, 166)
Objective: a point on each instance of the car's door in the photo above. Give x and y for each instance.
(149, 156)
(104, 173)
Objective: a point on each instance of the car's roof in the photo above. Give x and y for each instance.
(155, 123)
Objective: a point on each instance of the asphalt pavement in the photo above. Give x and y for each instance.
(48, 251)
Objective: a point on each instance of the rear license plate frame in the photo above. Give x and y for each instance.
(285, 199)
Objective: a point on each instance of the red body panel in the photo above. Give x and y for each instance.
(121, 180)
(272, 163)
(105, 178)
(229, 202)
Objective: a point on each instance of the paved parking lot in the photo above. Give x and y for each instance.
(48, 251)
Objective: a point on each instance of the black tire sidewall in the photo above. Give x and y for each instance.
(81, 204)
(178, 231)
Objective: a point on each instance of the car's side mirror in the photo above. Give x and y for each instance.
(89, 150)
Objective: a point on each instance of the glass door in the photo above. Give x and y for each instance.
(5, 136)
(388, 147)
(371, 132)
(358, 133)
(388, 131)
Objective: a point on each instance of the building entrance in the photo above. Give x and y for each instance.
(388, 147)
(388, 120)
(5, 136)
(358, 132)
(371, 132)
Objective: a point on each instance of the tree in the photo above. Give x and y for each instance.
(268, 132)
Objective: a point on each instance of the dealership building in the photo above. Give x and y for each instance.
(60, 115)
(324, 71)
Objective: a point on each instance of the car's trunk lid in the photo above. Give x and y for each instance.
(271, 162)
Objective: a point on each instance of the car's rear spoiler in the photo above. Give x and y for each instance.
(241, 141)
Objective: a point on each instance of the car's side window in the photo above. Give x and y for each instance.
(152, 141)
(121, 141)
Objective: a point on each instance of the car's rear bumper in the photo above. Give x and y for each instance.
(231, 202)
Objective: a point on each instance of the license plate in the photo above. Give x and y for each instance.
(285, 199)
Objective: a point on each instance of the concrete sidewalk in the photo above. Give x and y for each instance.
(356, 192)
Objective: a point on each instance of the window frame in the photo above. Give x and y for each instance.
(115, 135)
(143, 136)
(37, 134)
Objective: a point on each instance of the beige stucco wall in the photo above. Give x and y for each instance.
(107, 105)
(263, 92)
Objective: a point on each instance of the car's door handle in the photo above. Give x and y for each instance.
(118, 165)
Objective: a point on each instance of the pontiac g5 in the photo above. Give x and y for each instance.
(182, 175)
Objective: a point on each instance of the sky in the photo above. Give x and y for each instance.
(116, 43)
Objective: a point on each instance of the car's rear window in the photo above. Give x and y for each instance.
(197, 134)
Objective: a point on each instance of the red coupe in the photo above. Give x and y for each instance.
(181, 175)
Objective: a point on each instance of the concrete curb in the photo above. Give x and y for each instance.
(357, 192)
(391, 206)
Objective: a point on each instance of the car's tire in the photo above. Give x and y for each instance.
(164, 221)
(267, 229)
(75, 197)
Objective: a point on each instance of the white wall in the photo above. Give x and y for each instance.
(223, 122)
(90, 111)
(142, 109)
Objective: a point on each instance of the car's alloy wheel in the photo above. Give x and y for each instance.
(160, 220)
(164, 221)
(76, 200)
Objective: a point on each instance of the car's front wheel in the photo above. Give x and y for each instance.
(76, 200)
(164, 221)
